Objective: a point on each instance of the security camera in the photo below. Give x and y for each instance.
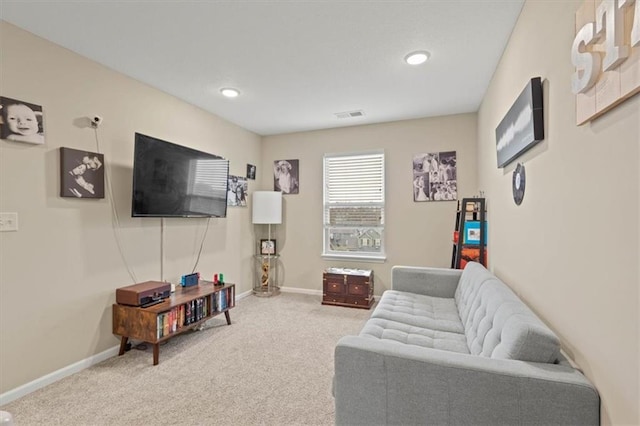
(96, 120)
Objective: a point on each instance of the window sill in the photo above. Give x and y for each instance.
(355, 257)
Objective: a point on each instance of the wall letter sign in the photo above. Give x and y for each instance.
(606, 54)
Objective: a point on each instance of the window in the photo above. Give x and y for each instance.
(354, 205)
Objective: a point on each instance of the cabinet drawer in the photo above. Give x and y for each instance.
(330, 298)
(335, 288)
(358, 289)
(355, 279)
(358, 301)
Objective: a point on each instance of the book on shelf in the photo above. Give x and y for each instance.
(194, 311)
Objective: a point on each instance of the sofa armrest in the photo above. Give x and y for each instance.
(435, 282)
(382, 382)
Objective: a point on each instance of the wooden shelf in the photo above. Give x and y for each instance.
(465, 214)
(148, 324)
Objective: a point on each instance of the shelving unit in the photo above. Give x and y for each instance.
(184, 310)
(471, 211)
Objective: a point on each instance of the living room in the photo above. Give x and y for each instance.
(570, 250)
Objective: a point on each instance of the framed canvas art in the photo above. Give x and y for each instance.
(237, 188)
(435, 176)
(523, 126)
(81, 173)
(285, 176)
(21, 121)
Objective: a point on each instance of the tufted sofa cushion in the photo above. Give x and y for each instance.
(434, 313)
(497, 323)
(378, 328)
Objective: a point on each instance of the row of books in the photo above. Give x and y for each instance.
(191, 312)
(225, 298)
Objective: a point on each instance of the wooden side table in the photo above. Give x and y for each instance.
(348, 287)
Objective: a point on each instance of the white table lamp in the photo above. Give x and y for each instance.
(267, 207)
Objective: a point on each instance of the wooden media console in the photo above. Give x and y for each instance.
(184, 310)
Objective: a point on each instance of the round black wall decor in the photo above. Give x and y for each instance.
(518, 184)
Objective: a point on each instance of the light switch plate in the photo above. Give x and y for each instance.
(8, 221)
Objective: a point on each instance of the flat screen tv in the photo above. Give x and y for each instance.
(171, 180)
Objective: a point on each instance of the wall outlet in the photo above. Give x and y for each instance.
(8, 222)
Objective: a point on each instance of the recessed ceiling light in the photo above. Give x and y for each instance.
(230, 92)
(417, 58)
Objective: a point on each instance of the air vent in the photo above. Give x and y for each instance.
(350, 114)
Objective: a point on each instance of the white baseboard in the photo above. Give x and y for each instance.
(60, 374)
(301, 291)
(243, 295)
(43, 381)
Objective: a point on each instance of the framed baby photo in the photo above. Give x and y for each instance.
(21, 121)
(81, 173)
(267, 246)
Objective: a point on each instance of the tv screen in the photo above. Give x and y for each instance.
(171, 180)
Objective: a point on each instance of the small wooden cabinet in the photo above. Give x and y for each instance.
(184, 310)
(348, 287)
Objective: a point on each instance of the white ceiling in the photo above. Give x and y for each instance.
(296, 63)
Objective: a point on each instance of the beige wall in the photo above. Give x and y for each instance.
(571, 249)
(416, 233)
(58, 273)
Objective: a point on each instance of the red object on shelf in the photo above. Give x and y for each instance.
(471, 254)
(456, 235)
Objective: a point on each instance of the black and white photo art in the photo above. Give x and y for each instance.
(523, 125)
(251, 171)
(21, 121)
(237, 189)
(285, 176)
(81, 173)
(435, 176)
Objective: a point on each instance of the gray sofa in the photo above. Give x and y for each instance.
(452, 347)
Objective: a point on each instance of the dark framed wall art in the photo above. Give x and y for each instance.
(251, 171)
(81, 173)
(523, 125)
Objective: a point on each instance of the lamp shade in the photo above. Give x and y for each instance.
(267, 207)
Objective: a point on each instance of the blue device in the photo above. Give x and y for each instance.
(190, 280)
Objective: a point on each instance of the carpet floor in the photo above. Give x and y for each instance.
(272, 366)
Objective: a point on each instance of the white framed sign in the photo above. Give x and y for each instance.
(606, 55)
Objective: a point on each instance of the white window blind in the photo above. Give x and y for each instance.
(354, 196)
